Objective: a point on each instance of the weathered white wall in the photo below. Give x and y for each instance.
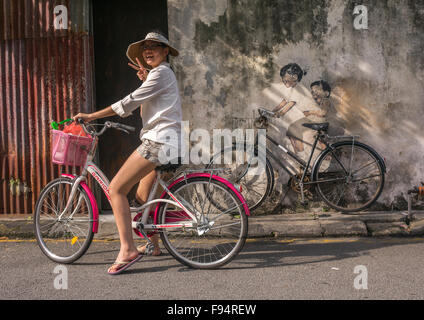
(232, 51)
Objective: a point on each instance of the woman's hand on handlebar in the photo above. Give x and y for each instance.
(86, 117)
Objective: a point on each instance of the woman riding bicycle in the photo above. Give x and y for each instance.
(159, 99)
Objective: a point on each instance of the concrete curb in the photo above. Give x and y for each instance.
(302, 225)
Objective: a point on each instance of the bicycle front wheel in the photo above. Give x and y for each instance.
(63, 238)
(349, 177)
(219, 231)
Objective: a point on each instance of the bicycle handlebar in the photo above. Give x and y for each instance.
(265, 113)
(120, 126)
(107, 124)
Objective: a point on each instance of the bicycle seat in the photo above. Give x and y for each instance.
(317, 126)
(169, 167)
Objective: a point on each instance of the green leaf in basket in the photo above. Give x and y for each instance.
(56, 125)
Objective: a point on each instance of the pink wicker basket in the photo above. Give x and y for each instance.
(70, 150)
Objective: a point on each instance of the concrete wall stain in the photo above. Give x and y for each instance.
(253, 27)
(232, 52)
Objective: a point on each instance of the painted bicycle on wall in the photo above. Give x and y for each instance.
(201, 217)
(347, 175)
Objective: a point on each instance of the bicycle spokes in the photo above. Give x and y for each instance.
(216, 237)
(349, 178)
(63, 235)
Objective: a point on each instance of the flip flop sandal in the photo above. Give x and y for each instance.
(124, 265)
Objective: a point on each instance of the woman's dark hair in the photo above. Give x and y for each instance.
(293, 69)
(324, 85)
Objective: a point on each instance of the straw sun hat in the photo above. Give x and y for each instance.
(134, 49)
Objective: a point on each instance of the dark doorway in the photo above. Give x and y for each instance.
(116, 24)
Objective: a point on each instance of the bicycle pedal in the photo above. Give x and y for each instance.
(149, 248)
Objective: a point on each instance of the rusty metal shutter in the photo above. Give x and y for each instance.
(45, 74)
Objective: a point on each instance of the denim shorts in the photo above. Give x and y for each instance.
(150, 150)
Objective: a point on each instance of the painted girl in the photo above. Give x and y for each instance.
(291, 74)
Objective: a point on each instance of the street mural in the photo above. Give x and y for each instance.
(298, 107)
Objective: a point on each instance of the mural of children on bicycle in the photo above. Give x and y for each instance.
(299, 106)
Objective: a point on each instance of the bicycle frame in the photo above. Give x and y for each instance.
(101, 179)
(304, 165)
(291, 171)
(91, 168)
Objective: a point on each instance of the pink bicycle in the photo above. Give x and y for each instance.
(201, 217)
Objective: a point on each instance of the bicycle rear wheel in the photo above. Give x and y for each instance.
(254, 182)
(66, 239)
(217, 236)
(350, 176)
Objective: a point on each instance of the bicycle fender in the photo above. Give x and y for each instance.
(379, 158)
(231, 186)
(93, 202)
(334, 145)
(194, 175)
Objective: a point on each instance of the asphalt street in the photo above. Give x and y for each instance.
(329, 268)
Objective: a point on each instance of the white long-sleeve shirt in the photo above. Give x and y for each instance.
(162, 113)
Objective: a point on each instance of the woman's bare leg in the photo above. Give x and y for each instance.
(142, 195)
(133, 170)
(144, 187)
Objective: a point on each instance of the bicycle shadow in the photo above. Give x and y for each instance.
(106, 257)
(261, 254)
(280, 253)
(266, 253)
